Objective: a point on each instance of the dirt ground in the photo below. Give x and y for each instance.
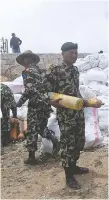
(47, 180)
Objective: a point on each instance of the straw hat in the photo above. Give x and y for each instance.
(28, 53)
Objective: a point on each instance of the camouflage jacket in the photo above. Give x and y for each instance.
(64, 80)
(7, 101)
(35, 91)
(26, 71)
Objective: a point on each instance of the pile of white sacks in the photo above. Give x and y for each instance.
(93, 83)
(94, 75)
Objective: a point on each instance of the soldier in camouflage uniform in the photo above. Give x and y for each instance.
(64, 79)
(39, 106)
(7, 103)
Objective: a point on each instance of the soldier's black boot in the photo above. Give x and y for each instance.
(70, 179)
(80, 170)
(31, 159)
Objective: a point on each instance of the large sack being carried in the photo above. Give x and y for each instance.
(47, 145)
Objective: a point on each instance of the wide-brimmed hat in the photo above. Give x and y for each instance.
(28, 53)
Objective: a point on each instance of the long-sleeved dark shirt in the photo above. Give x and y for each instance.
(15, 42)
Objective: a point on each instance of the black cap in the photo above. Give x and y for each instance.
(68, 46)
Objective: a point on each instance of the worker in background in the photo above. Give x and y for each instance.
(15, 43)
(64, 79)
(39, 107)
(100, 52)
(7, 103)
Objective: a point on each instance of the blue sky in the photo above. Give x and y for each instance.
(44, 25)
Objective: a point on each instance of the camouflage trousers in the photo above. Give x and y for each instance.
(5, 136)
(72, 129)
(36, 124)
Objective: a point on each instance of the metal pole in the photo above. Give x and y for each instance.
(3, 45)
(7, 45)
